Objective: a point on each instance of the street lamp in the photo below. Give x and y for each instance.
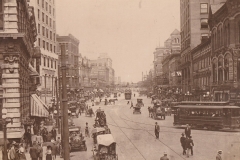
(5, 120)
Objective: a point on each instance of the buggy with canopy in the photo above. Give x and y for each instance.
(105, 148)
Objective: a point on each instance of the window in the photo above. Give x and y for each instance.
(1, 15)
(204, 8)
(55, 64)
(50, 21)
(46, 32)
(38, 14)
(53, 24)
(43, 44)
(39, 42)
(42, 3)
(46, 6)
(51, 63)
(51, 35)
(204, 23)
(38, 1)
(46, 19)
(54, 49)
(53, 12)
(51, 47)
(44, 61)
(204, 36)
(43, 17)
(50, 9)
(54, 37)
(39, 28)
(47, 46)
(43, 31)
(48, 62)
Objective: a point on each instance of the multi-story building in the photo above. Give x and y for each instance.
(102, 73)
(72, 60)
(225, 40)
(45, 11)
(84, 71)
(194, 29)
(201, 61)
(17, 56)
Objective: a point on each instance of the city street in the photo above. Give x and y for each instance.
(134, 134)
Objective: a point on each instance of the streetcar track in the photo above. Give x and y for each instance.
(154, 137)
(127, 137)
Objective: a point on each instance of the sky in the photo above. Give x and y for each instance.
(127, 30)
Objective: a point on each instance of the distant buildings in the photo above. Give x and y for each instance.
(102, 74)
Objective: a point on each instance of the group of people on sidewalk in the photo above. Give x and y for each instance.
(187, 142)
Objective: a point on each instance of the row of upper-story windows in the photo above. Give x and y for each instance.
(46, 33)
(201, 64)
(47, 6)
(49, 62)
(47, 20)
(46, 45)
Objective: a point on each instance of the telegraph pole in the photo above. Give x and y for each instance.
(57, 97)
(64, 104)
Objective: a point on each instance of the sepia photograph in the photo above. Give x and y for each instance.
(119, 79)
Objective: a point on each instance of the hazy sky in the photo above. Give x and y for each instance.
(128, 30)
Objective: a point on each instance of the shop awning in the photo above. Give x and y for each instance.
(38, 107)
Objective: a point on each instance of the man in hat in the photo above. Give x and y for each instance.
(183, 143)
(157, 130)
(187, 131)
(164, 157)
(219, 157)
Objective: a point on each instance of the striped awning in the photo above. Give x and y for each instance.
(38, 107)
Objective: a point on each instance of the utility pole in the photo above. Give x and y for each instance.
(57, 97)
(64, 103)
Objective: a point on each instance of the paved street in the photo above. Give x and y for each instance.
(134, 134)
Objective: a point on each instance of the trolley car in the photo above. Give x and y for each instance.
(210, 115)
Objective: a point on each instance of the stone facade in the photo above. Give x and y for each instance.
(17, 37)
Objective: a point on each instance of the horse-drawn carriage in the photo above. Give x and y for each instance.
(139, 103)
(156, 111)
(76, 139)
(105, 149)
(100, 120)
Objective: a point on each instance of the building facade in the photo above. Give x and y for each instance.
(201, 56)
(84, 71)
(45, 11)
(17, 57)
(72, 60)
(225, 44)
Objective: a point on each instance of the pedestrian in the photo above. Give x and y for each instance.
(54, 151)
(87, 130)
(157, 130)
(188, 131)
(164, 157)
(49, 153)
(128, 102)
(54, 133)
(28, 139)
(183, 143)
(12, 152)
(131, 105)
(22, 155)
(33, 152)
(219, 157)
(191, 145)
(40, 151)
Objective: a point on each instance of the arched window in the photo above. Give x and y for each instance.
(220, 69)
(226, 67)
(214, 69)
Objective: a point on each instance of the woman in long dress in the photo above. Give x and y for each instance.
(49, 153)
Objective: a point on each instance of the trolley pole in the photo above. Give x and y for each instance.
(64, 103)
